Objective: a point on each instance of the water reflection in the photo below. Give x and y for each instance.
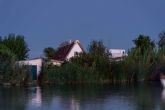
(139, 97)
(35, 98)
(12, 98)
(88, 98)
(146, 97)
(74, 104)
(163, 96)
(163, 99)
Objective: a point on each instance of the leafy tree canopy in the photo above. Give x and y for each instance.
(97, 48)
(49, 52)
(17, 45)
(6, 54)
(161, 42)
(143, 43)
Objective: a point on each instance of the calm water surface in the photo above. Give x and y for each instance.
(138, 97)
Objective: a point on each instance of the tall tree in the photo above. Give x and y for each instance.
(161, 42)
(17, 45)
(97, 48)
(49, 52)
(142, 57)
(6, 54)
(0, 39)
(7, 59)
(143, 43)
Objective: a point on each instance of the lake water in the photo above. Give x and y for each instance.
(149, 96)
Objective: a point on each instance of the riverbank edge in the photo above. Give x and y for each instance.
(43, 84)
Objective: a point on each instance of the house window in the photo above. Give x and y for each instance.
(75, 53)
(123, 53)
(110, 54)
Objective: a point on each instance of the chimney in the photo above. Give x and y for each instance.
(77, 41)
(70, 41)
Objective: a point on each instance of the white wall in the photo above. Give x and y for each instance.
(76, 48)
(37, 62)
(55, 62)
(116, 50)
(117, 53)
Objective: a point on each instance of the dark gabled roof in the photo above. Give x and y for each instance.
(63, 51)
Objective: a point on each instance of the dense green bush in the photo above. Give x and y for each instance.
(21, 74)
(95, 66)
(67, 73)
(14, 74)
(17, 45)
(10, 71)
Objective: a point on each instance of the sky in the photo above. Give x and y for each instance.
(47, 23)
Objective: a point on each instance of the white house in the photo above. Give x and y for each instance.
(64, 52)
(117, 54)
(36, 65)
(68, 51)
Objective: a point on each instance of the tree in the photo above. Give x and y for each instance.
(161, 42)
(100, 59)
(6, 54)
(7, 59)
(49, 52)
(97, 48)
(143, 57)
(143, 43)
(17, 45)
(0, 39)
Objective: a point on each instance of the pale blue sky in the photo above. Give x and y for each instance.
(49, 22)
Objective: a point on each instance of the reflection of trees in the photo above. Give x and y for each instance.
(100, 97)
(12, 99)
(81, 97)
(94, 97)
(163, 99)
(147, 97)
(75, 97)
(81, 94)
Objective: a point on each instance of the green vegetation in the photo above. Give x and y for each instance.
(17, 45)
(49, 52)
(69, 73)
(11, 49)
(161, 42)
(91, 67)
(94, 66)
(143, 63)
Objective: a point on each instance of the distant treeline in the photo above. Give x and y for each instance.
(145, 61)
